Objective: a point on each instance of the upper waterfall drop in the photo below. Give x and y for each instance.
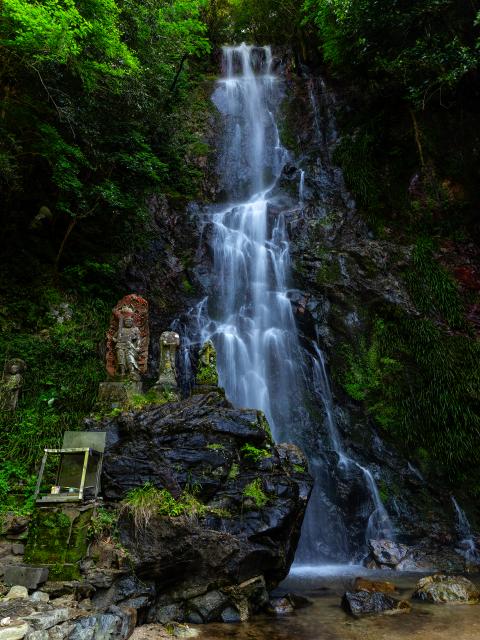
(250, 317)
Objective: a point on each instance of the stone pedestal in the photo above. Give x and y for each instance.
(117, 394)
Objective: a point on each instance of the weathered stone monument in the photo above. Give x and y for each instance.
(127, 351)
(11, 383)
(167, 371)
(206, 378)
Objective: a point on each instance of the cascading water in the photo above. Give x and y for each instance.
(467, 545)
(301, 187)
(248, 313)
(249, 316)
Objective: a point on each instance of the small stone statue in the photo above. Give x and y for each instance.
(167, 372)
(207, 374)
(12, 383)
(127, 339)
(127, 348)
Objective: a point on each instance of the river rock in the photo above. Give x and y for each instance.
(39, 596)
(17, 591)
(441, 589)
(15, 630)
(387, 552)
(362, 603)
(363, 584)
(47, 619)
(26, 576)
(40, 635)
(280, 606)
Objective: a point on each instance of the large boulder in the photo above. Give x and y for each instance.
(442, 589)
(253, 496)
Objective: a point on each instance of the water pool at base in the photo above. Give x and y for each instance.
(325, 620)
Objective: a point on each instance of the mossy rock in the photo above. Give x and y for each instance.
(58, 538)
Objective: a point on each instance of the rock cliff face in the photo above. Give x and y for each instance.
(216, 560)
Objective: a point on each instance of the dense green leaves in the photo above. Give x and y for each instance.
(85, 34)
(422, 49)
(92, 108)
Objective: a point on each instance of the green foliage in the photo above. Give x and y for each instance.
(421, 384)
(370, 373)
(103, 525)
(255, 492)
(99, 111)
(207, 365)
(354, 155)
(17, 487)
(147, 502)
(215, 446)
(250, 452)
(402, 45)
(432, 288)
(151, 397)
(62, 376)
(298, 468)
(234, 471)
(437, 397)
(85, 35)
(256, 21)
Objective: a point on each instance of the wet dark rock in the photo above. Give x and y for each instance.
(127, 591)
(280, 606)
(217, 565)
(287, 604)
(362, 603)
(345, 276)
(442, 589)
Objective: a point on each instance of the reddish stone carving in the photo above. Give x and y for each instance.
(128, 338)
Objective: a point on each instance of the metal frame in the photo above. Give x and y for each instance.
(88, 452)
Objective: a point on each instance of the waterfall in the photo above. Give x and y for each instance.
(301, 187)
(379, 524)
(248, 313)
(249, 316)
(467, 544)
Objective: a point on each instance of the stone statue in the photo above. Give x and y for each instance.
(12, 383)
(167, 372)
(207, 374)
(127, 348)
(127, 339)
